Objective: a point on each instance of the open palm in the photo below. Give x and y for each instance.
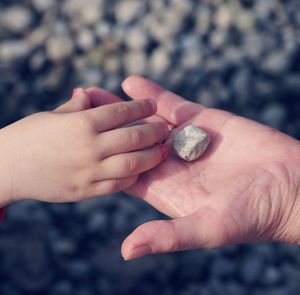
(240, 190)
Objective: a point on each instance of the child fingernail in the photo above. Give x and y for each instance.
(76, 91)
(164, 150)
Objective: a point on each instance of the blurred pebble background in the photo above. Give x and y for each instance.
(242, 56)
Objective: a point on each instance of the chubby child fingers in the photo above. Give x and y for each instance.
(132, 138)
(128, 164)
(110, 186)
(114, 115)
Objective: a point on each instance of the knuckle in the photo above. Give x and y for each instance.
(136, 136)
(144, 107)
(118, 184)
(92, 154)
(84, 121)
(122, 110)
(131, 165)
(174, 243)
(77, 191)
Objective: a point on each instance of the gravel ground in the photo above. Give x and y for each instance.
(242, 56)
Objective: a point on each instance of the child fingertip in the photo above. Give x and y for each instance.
(164, 150)
(76, 91)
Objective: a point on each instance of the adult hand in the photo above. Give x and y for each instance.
(244, 189)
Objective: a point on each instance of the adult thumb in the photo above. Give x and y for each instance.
(189, 232)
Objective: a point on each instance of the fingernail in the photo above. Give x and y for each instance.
(76, 91)
(153, 105)
(138, 252)
(164, 150)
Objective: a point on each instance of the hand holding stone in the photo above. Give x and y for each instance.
(245, 188)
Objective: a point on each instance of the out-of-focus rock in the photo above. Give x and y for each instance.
(127, 11)
(16, 19)
(223, 16)
(276, 63)
(136, 38)
(44, 5)
(85, 39)
(160, 61)
(13, 50)
(135, 62)
(83, 13)
(59, 47)
(165, 24)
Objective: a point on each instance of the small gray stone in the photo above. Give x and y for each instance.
(191, 142)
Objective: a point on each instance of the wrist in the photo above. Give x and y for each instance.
(6, 172)
(290, 227)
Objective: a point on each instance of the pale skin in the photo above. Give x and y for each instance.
(244, 189)
(79, 151)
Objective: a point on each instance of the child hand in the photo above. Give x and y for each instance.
(65, 156)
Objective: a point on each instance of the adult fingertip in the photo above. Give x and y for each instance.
(125, 249)
(137, 252)
(127, 82)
